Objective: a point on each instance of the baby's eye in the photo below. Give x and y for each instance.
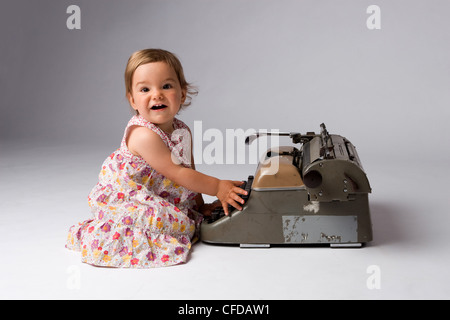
(167, 86)
(145, 90)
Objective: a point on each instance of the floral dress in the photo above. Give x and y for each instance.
(140, 218)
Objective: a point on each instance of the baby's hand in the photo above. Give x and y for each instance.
(207, 208)
(228, 194)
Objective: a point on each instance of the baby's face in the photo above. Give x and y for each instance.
(157, 94)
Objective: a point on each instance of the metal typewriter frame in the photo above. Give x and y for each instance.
(320, 198)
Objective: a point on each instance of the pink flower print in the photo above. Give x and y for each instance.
(179, 250)
(119, 157)
(149, 212)
(101, 198)
(127, 220)
(111, 156)
(116, 236)
(132, 193)
(184, 240)
(129, 232)
(120, 196)
(133, 164)
(94, 244)
(164, 203)
(176, 209)
(192, 195)
(100, 215)
(105, 227)
(164, 194)
(165, 258)
(171, 219)
(134, 261)
(146, 171)
(124, 251)
(150, 256)
(176, 200)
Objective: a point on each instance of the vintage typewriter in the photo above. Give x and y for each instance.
(313, 195)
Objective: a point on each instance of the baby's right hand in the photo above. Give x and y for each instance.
(228, 194)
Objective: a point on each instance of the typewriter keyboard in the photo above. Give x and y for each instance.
(219, 212)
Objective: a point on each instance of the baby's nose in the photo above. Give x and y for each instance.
(157, 95)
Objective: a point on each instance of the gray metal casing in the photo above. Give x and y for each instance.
(319, 195)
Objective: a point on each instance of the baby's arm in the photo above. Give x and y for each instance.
(204, 208)
(147, 144)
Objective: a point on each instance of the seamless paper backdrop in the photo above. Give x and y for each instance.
(287, 65)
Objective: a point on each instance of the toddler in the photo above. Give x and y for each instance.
(147, 205)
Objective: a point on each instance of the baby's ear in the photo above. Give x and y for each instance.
(183, 95)
(131, 100)
(132, 104)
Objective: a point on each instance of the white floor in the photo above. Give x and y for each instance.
(43, 191)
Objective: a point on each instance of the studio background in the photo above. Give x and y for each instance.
(286, 65)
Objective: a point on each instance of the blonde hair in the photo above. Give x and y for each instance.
(157, 55)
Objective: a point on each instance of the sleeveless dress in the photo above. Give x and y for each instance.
(141, 219)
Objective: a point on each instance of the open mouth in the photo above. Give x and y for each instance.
(158, 107)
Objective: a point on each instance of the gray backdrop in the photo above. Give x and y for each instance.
(287, 65)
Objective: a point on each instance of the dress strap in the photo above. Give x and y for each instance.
(139, 121)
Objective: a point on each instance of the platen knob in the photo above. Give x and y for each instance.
(312, 179)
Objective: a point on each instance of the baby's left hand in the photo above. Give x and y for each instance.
(207, 208)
